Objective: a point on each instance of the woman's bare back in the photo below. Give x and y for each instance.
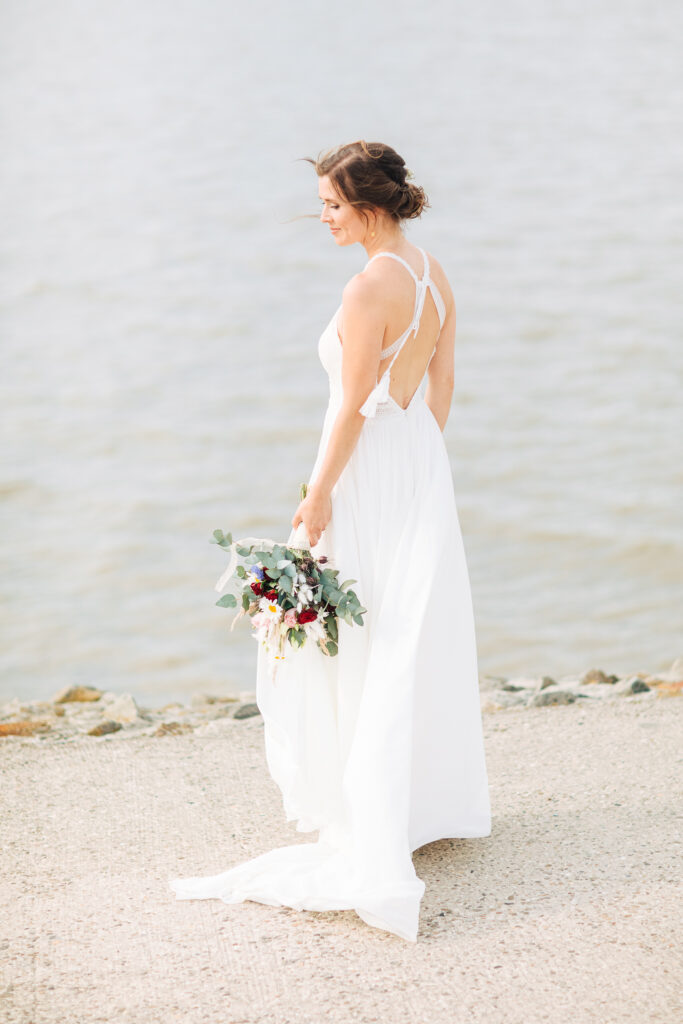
(432, 345)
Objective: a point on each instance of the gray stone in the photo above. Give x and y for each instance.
(523, 683)
(123, 709)
(104, 727)
(548, 698)
(247, 711)
(491, 682)
(629, 687)
(547, 681)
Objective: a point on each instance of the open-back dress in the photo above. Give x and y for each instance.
(379, 748)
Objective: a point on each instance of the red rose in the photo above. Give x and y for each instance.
(271, 595)
(307, 615)
(256, 587)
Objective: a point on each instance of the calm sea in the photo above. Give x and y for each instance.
(161, 301)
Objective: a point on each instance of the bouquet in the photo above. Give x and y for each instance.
(290, 596)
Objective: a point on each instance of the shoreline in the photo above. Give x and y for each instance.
(87, 712)
(568, 911)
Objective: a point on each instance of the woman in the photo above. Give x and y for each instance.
(379, 748)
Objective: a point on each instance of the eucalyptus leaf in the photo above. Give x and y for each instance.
(286, 583)
(227, 601)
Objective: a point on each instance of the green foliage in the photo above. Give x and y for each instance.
(281, 566)
(286, 583)
(225, 540)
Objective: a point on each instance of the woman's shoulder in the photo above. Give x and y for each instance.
(369, 285)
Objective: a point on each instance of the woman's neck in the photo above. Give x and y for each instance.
(391, 239)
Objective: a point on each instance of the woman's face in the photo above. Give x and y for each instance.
(345, 222)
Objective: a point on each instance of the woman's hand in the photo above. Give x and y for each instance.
(315, 512)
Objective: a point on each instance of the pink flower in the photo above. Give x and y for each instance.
(290, 618)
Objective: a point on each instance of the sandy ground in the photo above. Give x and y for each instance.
(569, 912)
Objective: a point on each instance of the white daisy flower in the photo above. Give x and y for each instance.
(270, 609)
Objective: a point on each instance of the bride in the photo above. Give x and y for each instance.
(380, 748)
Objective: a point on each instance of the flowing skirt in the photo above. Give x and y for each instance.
(379, 748)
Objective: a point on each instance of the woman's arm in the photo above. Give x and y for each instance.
(440, 373)
(364, 327)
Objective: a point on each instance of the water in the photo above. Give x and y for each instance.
(160, 308)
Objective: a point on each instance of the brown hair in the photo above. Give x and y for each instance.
(370, 174)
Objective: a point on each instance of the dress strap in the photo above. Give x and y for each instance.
(380, 393)
(400, 259)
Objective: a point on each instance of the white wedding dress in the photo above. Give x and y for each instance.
(380, 747)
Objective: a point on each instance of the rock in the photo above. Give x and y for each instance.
(669, 689)
(501, 699)
(200, 699)
(547, 681)
(247, 711)
(25, 728)
(123, 709)
(632, 685)
(511, 688)
(548, 698)
(491, 682)
(173, 729)
(104, 727)
(77, 693)
(521, 683)
(596, 675)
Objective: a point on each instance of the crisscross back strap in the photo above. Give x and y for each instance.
(421, 286)
(379, 395)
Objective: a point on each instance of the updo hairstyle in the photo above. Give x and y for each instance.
(370, 174)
